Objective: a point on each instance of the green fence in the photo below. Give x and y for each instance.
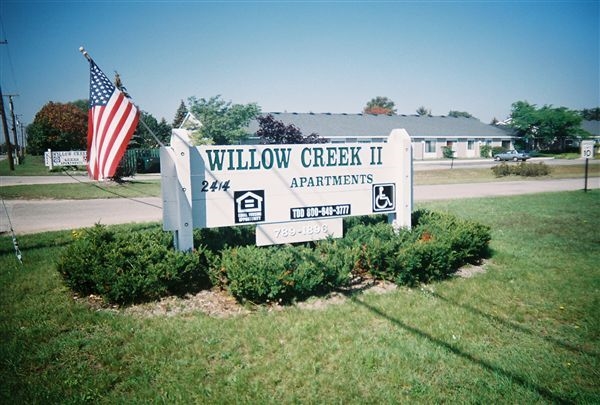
(139, 161)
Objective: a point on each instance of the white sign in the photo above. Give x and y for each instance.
(300, 231)
(65, 158)
(214, 186)
(587, 149)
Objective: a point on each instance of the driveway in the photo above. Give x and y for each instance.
(32, 216)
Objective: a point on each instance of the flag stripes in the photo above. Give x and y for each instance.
(112, 119)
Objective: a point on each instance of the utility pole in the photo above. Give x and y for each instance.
(11, 163)
(14, 125)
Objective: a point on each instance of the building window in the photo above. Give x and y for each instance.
(429, 146)
(470, 145)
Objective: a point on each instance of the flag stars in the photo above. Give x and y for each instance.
(100, 87)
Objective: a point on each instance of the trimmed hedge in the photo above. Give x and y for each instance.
(130, 267)
(436, 246)
(521, 169)
(282, 274)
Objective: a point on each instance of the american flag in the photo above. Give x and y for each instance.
(112, 119)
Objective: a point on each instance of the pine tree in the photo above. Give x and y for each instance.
(179, 115)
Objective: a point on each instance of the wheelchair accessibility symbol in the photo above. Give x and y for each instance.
(384, 197)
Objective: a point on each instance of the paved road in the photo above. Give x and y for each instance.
(48, 215)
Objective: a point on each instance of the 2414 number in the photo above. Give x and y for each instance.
(214, 186)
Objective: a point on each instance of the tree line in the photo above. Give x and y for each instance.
(63, 126)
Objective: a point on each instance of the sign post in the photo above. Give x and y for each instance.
(587, 153)
(293, 193)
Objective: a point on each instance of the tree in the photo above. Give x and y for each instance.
(457, 114)
(546, 127)
(272, 131)
(57, 126)
(422, 111)
(143, 139)
(380, 106)
(222, 122)
(556, 125)
(179, 115)
(591, 114)
(83, 105)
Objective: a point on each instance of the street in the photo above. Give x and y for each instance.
(32, 216)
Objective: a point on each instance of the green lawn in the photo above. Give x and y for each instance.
(525, 331)
(31, 166)
(483, 175)
(83, 191)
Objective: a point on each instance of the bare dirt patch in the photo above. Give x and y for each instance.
(471, 270)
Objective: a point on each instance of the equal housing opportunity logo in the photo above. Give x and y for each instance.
(249, 206)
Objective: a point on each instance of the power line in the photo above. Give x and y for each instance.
(14, 237)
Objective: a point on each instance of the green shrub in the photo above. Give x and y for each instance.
(256, 274)
(441, 244)
(470, 239)
(130, 267)
(280, 274)
(532, 169)
(502, 170)
(351, 222)
(485, 151)
(498, 149)
(424, 261)
(436, 246)
(376, 246)
(447, 152)
(521, 169)
(217, 239)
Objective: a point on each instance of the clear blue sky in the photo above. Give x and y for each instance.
(302, 56)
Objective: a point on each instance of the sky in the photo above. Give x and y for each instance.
(306, 56)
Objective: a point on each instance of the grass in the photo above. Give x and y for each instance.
(526, 331)
(77, 190)
(563, 155)
(84, 190)
(485, 175)
(31, 166)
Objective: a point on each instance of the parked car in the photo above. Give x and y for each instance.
(512, 155)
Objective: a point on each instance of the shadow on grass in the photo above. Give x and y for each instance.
(515, 326)
(542, 391)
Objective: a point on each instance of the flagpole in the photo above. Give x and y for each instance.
(84, 52)
(89, 58)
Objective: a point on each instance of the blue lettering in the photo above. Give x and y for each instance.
(215, 159)
(303, 157)
(283, 157)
